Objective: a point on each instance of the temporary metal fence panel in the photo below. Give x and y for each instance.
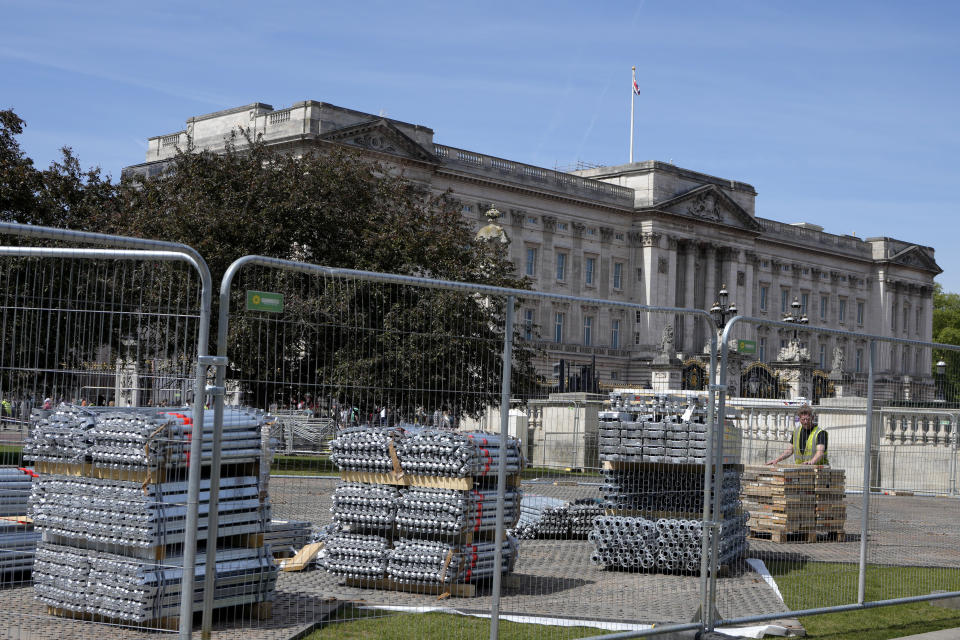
(405, 506)
(98, 367)
(875, 526)
(612, 520)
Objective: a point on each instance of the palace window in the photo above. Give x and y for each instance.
(588, 331)
(614, 334)
(558, 327)
(823, 355)
(804, 302)
(762, 349)
(859, 361)
(528, 324)
(561, 266)
(531, 268)
(841, 310)
(823, 307)
(589, 269)
(784, 300)
(860, 313)
(618, 275)
(763, 297)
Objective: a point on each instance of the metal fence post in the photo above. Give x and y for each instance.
(953, 453)
(707, 566)
(501, 468)
(209, 578)
(867, 450)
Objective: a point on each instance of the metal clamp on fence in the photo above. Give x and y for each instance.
(213, 361)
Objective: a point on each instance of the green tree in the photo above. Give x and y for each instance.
(946, 330)
(370, 345)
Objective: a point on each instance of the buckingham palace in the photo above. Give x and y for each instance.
(645, 232)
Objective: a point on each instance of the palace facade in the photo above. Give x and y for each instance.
(646, 232)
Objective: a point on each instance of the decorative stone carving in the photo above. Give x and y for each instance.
(634, 238)
(606, 234)
(793, 352)
(650, 239)
(672, 243)
(492, 231)
(549, 223)
(707, 206)
(517, 216)
(578, 228)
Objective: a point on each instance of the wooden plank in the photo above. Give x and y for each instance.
(18, 519)
(169, 623)
(303, 557)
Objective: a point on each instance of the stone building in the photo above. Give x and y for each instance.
(646, 232)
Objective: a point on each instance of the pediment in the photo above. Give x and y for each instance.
(708, 203)
(914, 256)
(380, 135)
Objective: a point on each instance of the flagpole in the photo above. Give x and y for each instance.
(633, 94)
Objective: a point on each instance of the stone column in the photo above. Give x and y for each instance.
(709, 289)
(517, 250)
(652, 277)
(577, 259)
(690, 296)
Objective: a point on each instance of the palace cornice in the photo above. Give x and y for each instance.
(686, 220)
(517, 188)
(766, 240)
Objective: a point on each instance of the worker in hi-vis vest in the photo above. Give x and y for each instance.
(809, 445)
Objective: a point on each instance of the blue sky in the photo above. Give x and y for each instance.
(839, 113)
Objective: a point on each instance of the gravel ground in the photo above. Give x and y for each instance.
(553, 578)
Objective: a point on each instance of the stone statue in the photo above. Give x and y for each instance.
(666, 341)
(667, 355)
(837, 360)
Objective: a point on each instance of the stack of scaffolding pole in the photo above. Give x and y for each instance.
(113, 530)
(413, 496)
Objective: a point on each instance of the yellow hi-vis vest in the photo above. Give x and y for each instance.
(811, 448)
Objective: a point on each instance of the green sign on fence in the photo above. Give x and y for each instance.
(746, 346)
(265, 301)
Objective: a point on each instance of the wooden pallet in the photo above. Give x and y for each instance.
(619, 465)
(255, 610)
(456, 590)
(410, 480)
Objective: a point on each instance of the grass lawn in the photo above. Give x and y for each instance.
(818, 584)
(806, 585)
(356, 624)
(11, 455)
(318, 465)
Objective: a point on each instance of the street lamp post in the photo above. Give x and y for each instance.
(721, 311)
(941, 370)
(795, 317)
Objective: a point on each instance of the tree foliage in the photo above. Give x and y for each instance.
(333, 208)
